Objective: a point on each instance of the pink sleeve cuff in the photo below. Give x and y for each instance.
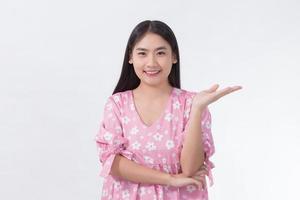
(108, 155)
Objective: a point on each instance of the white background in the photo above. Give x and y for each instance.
(60, 60)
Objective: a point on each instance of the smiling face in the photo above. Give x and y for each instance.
(152, 59)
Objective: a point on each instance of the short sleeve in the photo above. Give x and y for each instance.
(109, 138)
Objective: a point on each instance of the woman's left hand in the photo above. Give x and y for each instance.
(206, 97)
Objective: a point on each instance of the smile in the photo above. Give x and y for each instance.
(152, 73)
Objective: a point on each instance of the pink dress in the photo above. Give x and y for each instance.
(157, 146)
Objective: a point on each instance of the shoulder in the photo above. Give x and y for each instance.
(186, 98)
(184, 95)
(118, 99)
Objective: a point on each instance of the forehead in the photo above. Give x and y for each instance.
(151, 41)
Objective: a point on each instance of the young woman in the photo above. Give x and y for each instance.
(155, 139)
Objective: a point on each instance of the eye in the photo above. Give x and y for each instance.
(141, 53)
(161, 53)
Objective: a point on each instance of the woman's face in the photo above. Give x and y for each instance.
(152, 59)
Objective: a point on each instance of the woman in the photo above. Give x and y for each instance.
(155, 139)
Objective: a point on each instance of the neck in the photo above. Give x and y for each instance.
(153, 92)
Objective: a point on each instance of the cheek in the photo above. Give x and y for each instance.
(165, 62)
(138, 70)
(138, 64)
(166, 65)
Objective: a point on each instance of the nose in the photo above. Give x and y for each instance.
(152, 61)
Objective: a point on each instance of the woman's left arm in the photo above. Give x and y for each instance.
(192, 154)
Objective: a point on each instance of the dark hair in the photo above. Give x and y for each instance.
(128, 79)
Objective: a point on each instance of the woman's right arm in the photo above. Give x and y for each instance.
(131, 171)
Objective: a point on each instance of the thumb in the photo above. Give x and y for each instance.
(213, 88)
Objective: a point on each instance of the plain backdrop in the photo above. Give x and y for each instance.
(60, 60)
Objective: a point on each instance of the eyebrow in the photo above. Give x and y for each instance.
(158, 48)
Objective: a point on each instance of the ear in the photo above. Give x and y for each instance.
(174, 60)
(130, 59)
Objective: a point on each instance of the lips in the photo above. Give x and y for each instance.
(152, 72)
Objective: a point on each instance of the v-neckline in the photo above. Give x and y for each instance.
(159, 118)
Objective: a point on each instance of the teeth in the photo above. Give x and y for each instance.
(152, 72)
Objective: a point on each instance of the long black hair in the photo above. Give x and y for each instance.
(128, 79)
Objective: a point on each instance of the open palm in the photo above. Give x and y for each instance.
(206, 97)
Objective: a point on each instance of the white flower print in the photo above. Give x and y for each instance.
(134, 131)
(169, 144)
(125, 120)
(150, 146)
(168, 117)
(176, 105)
(190, 188)
(177, 91)
(109, 106)
(136, 145)
(107, 136)
(118, 129)
(148, 159)
(160, 193)
(186, 113)
(166, 168)
(206, 124)
(158, 136)
(116, 98)
(125, 194)
(141, 191)
(104, 193)
(189, 101)
(117, 185)
(164, 160)
(100, 150)
(132, 107)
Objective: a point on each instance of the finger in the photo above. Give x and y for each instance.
(235, 88)
(202, 172)
(226, 91)
(213, 88)
(196, 182)
(202, 169)
(203, 182)
(203, 185)
(198, 177)
(200, 183)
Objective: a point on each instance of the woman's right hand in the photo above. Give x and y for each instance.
(198, 179)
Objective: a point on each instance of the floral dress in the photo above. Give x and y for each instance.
(157, 146)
